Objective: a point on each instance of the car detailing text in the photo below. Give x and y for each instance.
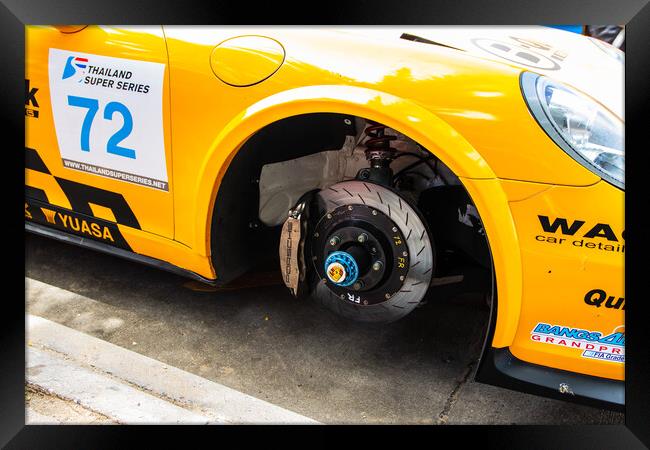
(598, 236)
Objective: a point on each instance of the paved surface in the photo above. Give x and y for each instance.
(45, 408)
(293, 354)
(128, 387)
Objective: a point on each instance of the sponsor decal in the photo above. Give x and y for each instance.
(593, 344)
(74, 223)
(82, 226)
(599, 298)
(598, 236)
(108, 116)
(31, 104)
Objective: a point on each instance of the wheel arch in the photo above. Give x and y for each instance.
(405, 116)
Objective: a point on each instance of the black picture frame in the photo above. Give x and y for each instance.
(635, 14)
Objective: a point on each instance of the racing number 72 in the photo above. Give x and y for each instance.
(111, 108)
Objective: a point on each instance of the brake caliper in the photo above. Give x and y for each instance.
(292, 246)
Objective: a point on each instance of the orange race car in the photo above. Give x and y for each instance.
(375, 167)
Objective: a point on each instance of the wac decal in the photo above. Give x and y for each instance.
(580, 234)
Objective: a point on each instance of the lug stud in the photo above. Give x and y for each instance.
(335, 241)
(358, 285)
(377, 266)
(374, 213)
(363, 237)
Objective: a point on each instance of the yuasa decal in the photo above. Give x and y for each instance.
(599, 298)
(108, 116)
(72, 222)
(31, 104)
(598, 236)
(593, 344)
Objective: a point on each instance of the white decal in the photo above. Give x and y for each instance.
(108, 116)
(352, 299)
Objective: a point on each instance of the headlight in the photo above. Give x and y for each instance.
(582, 127)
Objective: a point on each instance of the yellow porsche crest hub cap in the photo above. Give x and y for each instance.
(336, 272)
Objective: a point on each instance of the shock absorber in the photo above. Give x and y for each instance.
(379, 154)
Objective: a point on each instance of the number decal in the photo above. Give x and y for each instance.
(108, 116)
(109, 110)
(92, 106)
(122, 133)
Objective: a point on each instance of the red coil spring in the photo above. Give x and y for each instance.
(378, 140)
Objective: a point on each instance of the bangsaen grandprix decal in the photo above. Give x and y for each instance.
(108, 116)
(594, 344)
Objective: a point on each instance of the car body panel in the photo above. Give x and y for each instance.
(154, 208)
(561, 270)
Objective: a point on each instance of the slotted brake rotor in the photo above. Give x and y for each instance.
(371, 252)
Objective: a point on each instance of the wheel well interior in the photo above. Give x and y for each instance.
(241, 242)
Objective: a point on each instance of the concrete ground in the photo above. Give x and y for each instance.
(297, 355)
(46, 408)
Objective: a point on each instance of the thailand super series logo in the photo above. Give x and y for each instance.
(73, 64)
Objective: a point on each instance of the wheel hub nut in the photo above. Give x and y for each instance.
(377, 265)
(363, 237)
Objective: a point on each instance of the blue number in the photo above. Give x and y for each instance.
(111, 108)
(122, 133)
(92, 106)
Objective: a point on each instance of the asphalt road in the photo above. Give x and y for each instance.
(261, 341)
